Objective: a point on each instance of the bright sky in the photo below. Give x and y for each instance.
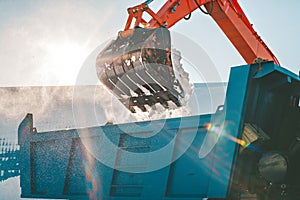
(46, 42)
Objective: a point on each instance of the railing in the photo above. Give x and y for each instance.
(9, 159)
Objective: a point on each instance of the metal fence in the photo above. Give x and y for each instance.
(9, 159)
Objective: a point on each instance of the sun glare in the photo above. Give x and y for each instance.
(64, 62)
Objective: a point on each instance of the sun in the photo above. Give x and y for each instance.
(63, 61)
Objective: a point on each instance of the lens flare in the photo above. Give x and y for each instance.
(213, 128)
(92, 178)
(208, 126)
(217, 130)
(238, 141)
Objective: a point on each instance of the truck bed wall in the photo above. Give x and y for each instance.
(164, 159)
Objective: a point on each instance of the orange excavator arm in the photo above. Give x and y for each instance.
(137, 66)
(227, 14)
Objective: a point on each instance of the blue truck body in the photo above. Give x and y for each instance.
(182, 158)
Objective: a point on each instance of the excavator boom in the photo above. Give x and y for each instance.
(137, 66)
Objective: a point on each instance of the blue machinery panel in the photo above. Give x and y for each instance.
(184, 158)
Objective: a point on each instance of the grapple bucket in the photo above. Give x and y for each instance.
(138, 69)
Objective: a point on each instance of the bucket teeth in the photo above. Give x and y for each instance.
(160, 97)
(138, 69)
